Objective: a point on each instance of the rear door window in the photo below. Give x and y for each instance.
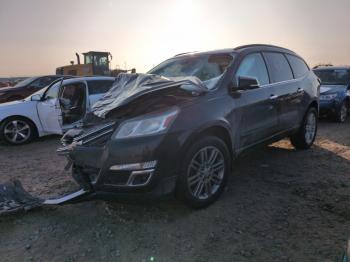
(278, 66)
(99, 86)
(253, 65)
(298, 65)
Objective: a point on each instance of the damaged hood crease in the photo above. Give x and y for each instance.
(128, 87)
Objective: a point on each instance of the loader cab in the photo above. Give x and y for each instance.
(99, 61)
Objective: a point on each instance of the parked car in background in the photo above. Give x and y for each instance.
(25, 88)
(4, 84)
(178, 128)
(52, 110)
(335, 91)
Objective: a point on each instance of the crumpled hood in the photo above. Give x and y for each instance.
(328, 89)
(128, 87)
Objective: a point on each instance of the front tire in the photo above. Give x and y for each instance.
(306, 134)
(342, 114)
(17, 131)
(204, 172)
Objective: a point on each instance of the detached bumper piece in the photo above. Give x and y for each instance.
(14, 199)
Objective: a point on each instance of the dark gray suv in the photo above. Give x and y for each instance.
(178, 128)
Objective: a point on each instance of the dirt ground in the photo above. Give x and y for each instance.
(280, 205)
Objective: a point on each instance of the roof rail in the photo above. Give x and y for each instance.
(185, 53)
(262, 45)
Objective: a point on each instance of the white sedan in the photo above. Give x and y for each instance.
(52, 110)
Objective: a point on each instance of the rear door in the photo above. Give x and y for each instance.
(301, 73)
(289, 93)
(259, 110)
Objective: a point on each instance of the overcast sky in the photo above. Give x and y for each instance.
(36, 36)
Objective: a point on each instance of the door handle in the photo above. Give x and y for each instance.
(273, 97)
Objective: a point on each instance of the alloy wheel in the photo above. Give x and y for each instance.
(17, 131)
(310, 128)
(206, 172)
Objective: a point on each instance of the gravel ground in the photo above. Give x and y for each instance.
(280, 205)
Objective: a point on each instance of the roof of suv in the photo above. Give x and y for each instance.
(243, 48)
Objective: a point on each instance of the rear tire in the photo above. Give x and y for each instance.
(17, 131)
(306, 134)
(342, 113)
(204, 172)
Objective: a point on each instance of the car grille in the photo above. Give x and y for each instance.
(97, 135)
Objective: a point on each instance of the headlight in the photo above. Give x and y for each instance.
(147, 125)
(328, 97)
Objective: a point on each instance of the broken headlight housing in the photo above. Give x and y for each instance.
(147, 125)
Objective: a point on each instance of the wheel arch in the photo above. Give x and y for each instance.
(218, 130)
(314, 104)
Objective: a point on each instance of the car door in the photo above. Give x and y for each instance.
(259, 113)
(78, 122)
(289, 93)
(49, 111)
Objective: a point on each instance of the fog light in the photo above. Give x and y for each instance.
(135, 166)
(140, 178)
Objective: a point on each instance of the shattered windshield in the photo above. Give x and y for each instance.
(205, 67)
(334, 76)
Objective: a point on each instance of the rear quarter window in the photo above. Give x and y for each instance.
(298, 65)
(99, 86)
(278, 66)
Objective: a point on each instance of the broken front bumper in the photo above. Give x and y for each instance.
(131, 168)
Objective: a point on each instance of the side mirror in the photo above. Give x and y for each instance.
(35, 98)
(247, 83)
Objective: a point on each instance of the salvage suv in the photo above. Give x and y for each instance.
(178, 128)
